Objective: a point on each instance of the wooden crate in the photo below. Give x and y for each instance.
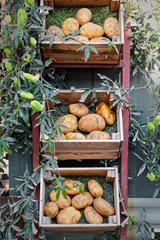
(65, 53)
(89, 149)
(110, 174)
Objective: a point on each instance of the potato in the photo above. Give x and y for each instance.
(57, 39)
(69, 215)
(55, 29)
(111, 27)
(91, 122)
(91, 30)
(103, 207)
(104, 110)
(98, 135)
(51, 209)
(95, 188)
(62, 202)
(92, 216)
(59, 137)
(70, 121)
(71, 24)
(82, 200)
(75, 136)
(83, 16)
(70, 184)
(100, 40)
(78, 109)
(78, 38)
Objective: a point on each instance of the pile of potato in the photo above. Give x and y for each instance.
(88, 123)
(66, 210)
(88, 30)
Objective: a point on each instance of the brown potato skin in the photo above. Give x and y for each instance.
(95, 188)
(98, 135)
(75, 136)
(92, 216)
(70, 23)
(91, 30)
(69, 183)
(100, 40)
(103, 207)
(59, 137)
(82, 200)
(51, 209)
(91, 122)
(78, 109)
(70, 121)
(111, 27)
(83, 16)
(78, 38)
(69, 215)
(62, 202)
(55, 29)
(104, 110)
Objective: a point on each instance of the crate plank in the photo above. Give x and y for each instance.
(113, 221)
(100, 3)
(66, 53)
(115, 5)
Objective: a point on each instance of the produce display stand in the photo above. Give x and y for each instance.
(88, 149)
(110, 174)
(124, 64)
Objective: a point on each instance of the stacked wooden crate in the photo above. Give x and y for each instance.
(63, 53)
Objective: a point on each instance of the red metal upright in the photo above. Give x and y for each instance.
(124, 154)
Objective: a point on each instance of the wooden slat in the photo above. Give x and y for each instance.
(113, 221)
(66, 53)
(115, 5)
(96, 3)
(67, 96)
(124, 157)
(116, 195)
(86, 155)
(99, 172)
(86, 145)
(42, 198)
(79, 227)
(49, 3)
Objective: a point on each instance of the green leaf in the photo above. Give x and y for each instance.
(81, 189)
(155, 194)
(64, 194)
(82, 47)
(44, 147)
(86, 54)
(22, 206)
(24, 115)
(57, 194)
(34, 229)
(51, 147)
(141, 170)
(7, 147)
(48, 62)
(94, 49)
(51, 39)
(85, 94)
